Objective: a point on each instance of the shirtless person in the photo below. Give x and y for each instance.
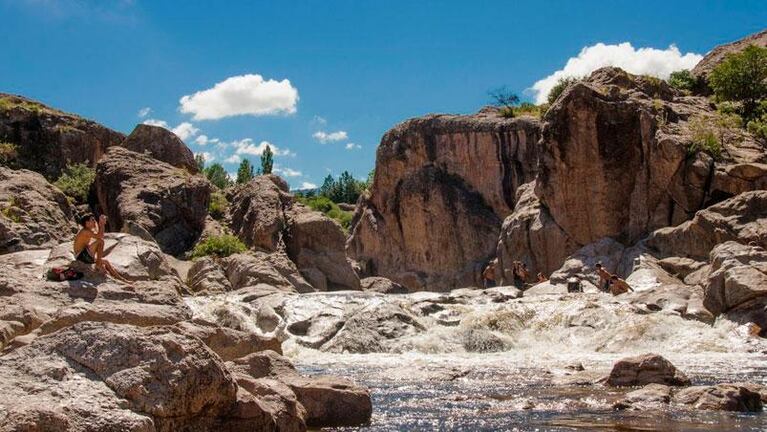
(89, 246)
(489, 275)
(604, 277)
(619, 286)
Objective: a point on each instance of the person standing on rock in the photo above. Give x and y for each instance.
(89, 246)
(520, 273)
(619, 286)
(488, 276)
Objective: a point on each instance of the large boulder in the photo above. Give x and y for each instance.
(742, 218)
(48, 139)
(738, 276)
(33, 213)
(382, 285)
(315, 243)
(443, 184)
(162, 145)
(168, 202)
(257, 213)
(646, 369)
(721, 397)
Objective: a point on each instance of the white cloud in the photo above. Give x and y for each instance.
(352, 146)
(185, 130)
(204, 140)
(155, 122)
(645, 61)
(206, 156)
(308, 185)
(241, 95)
(232, 159)
(326, 137)
(319, 121)
(143, 112)
(287, 172)
(247, 146)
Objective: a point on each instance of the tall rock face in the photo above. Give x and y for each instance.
(168, 202)
(443, 184)
(47, 139)
(615, 162)
(162, 145)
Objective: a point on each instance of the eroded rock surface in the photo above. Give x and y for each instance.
(646, 369)
(162, 145)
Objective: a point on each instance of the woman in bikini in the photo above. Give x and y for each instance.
(89, 245)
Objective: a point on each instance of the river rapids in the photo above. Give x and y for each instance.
(487, 360)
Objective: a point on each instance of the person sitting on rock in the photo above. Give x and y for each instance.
(89, 246)
(619, 286)
(488, 276)
(604, 277)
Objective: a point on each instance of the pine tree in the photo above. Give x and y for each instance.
(267, 160)
(245, 171)
(217, 175)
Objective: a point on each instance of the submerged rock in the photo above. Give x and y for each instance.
(646, 369)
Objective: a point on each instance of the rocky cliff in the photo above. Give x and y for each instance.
(443, 185)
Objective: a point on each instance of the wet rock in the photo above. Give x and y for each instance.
(502, 294)
(651, 396)
(368, 330)
(228, 343)
(427, 189)
(162, 145)
(168, 202)
(581, 264)
(738, 275)
(382, 285)
(646, 369)
(720, 397)
(49, 139)
(482, 340)
(206, 275)
(33, 213)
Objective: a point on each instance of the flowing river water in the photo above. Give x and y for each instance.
(473, 362)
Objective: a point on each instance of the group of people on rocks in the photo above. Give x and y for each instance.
(608, 282)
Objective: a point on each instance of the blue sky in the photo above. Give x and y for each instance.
(354, 68)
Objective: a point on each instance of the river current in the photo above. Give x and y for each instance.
(472, 363)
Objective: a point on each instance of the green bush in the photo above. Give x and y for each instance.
(758, 127)
(220, 246)
(218, 205)
(11, 211)
(217, 175)
(704, 137)
(742, 78)
(560, 87)
(329, 208)
(683, 80)
(76, 181)
(8, 153)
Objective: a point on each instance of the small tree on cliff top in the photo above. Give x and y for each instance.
(245, 172)
(267, 160)
(742, 77)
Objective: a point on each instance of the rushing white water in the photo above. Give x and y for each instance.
(468, 360)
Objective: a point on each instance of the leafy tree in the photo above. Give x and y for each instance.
(742, 77)
(344, 190)
(328, 184)
(200, 160)
(76, 181)
(683, 80)
(267, 160)
(245, 171)
(560, 87)
(217, 175)
(503, 97)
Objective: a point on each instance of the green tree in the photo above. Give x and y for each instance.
(200, 160)
(267, 160)
(327, 186)
(217, 175)
(742, 77)
(76, 181)
(245, 172)
(683, 80)
(560, 87)
(503, 97)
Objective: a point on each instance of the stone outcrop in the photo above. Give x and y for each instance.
(162, 145)
(718, 54)
(721, 397)
(646, 369)
(211, 275)
(443, 185)
(33, 213)
(382, 285)
(47, 139)
(738, 277)
(267, 218)
(167, 202)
